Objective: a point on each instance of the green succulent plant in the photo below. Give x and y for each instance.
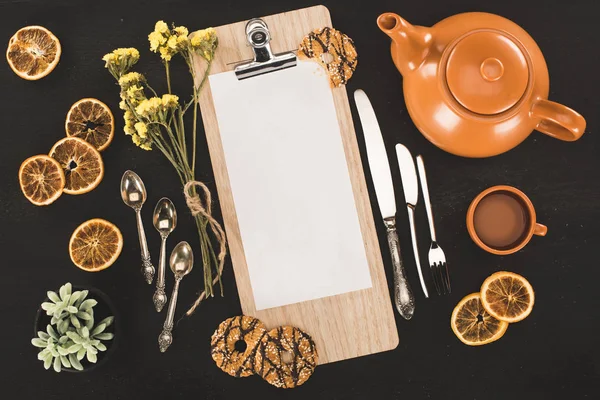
(88, 343)
(68, 308)
(71, 335)
(54, 351)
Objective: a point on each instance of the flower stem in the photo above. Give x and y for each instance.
(201, 225)
(194, 132)
(151, 89)
(166, 154)
(197, 89)
(195, 103)
(174, 142)
(182, 133)
(216, 263)
(168, 76)
(204, 78)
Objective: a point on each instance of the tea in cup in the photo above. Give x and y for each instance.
(501, 220)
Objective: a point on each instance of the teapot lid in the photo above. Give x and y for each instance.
(487, 72)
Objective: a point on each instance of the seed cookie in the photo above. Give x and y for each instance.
(237, 363)
(286, 358)
(333, 50)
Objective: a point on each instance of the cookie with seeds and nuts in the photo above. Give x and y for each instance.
(287, 357)
(332, 49)
(235, 343)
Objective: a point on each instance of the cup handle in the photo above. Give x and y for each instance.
(558, 121)
(540, 229)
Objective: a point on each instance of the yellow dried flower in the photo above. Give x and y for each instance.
(161, 27)
(166, 53)
(195, 41)
(135, 94)
(131, 79)
(141, 129)
(129, 52)
(170, 100)
(181, 31)
(149, 108)
(144, 144)
(156, 39)
(206, 35)
(182, 42)
(205, 43)
(140, 112)
(212, 34)
(136, 139)
(159, 38)
(117, 55)
(168, 43)
(129, 123)
(172, 43)
(129, 130)
(121, 60)
(132, 89)
(109, 58)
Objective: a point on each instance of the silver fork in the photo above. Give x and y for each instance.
(437, 258)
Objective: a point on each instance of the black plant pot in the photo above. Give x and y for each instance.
(103, 309)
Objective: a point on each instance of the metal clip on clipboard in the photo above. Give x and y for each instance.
(257, 34)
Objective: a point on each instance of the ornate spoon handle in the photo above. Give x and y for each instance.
(166, 337)
(147, 267)
(160, 297)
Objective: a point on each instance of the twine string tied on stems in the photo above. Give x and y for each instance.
(201, 207)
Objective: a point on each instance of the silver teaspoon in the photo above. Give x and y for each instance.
(133, 193)
(165, 221)
(182, 262)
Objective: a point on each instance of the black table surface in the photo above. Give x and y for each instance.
(553, 354)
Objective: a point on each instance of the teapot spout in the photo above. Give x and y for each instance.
(410, 44)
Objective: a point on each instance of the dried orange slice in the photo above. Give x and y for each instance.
(473, 325)
(91, 120)
(81, 162)
(95, 245)
(33, 52)
(507, 296)
(42, 179)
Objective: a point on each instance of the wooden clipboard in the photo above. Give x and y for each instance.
(343, 326)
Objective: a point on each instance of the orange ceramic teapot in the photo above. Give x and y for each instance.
(476, 84)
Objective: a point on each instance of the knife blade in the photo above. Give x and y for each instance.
(377, 156)
(410, 184)
(408, 173)
(384, 191)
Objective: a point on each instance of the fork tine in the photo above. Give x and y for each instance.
(446, 277)
(435, 275)
(442, 278)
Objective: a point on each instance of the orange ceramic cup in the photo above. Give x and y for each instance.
(530, 226)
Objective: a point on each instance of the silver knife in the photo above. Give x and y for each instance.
(384, 189)
(410, 185)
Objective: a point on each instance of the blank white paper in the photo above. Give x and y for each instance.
(290, 185)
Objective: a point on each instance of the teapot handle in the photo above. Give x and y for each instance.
(558, 121)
